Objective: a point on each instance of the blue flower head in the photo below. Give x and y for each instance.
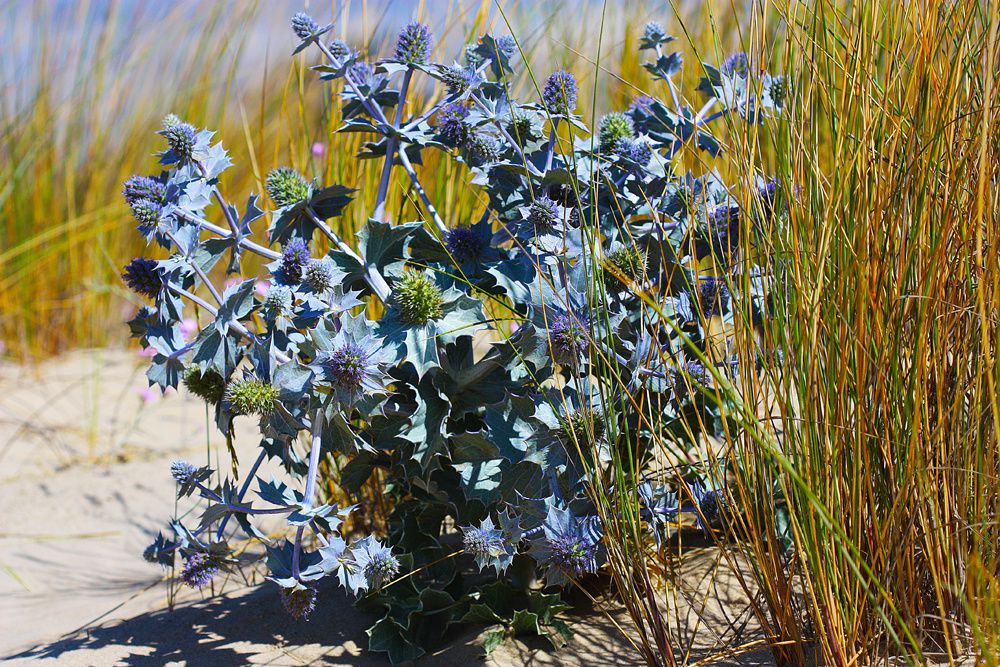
(137, 188)
(199, 569)
(376, 561)
(304, 26)
(559, 94)
(295, 256)
(299, 600)
(710, 503)
(452, 126)
(413, 46)
(181, 138)
(661, 507)
(634, 150)
(713, 296)
(464, 244)
(490, 546)
(143, 277)
(568, 547)
(736, 65)
(353, 361)
(182, 471)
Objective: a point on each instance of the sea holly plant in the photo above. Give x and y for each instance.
(514, 358)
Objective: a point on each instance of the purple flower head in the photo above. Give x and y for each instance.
(339, 49)
(713, 295)
(294, 258)
(544, 214)
(568, 338)
(641, 103)
(319, 275)
(143, 277)
(710, 505)
(182, 471)
(299, 601)
(693, 372)
(304, 26)
(376, 561)
(361, 71)
(506, 46)
(347, 366)
(352, 364)
(489, 545)
(180, 138)
(559, 94)
(464, 245)
(147, 214)
(654, 32)
(143, 187)
(634, 150)
(568, 547)
(199, 569)
(458, 79)
(413, 46)
(451, 125)
(736, 64)
(768, 192)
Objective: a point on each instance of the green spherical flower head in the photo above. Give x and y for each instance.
(485, 148)
(520, 128)
(180, 137)
(251, 396)
(318, 275)
(418, 299)
(278, 302)
(208, 386)
(583, 428)
(414, 44)
(629, 261)
(614, 126)
(285, 186)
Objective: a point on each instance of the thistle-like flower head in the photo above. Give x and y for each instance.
(634, 150)
(339, 49)
(304, 26)
(713, 295)
(208, 385)
(294, 258)
(568, 337)
(568, 547)
(319, 275)
(654, 32)
(458, 79)
(464, 245)
(143, 277)
(736, 65)
(299, 600)
(629, 260)
(182, 471)
(641, 104)
(418, 299)
(285, 186)
(353, 361)
(583, 428)
(147, 214)
(180, 138)
(199, 569)
(543, 213)
(559, 94)
(489, 545)
(376, 561)
(710, 504)
(138, 188)
(451, 125)
(484, 148)
(413, 46)
(251, 396)
(521, 127)
(613, 127)
(278, 302)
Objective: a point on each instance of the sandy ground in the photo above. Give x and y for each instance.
(84, 485)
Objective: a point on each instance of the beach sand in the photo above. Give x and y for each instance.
(84, 465)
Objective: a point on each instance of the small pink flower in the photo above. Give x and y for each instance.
(231, 281)
(261, 287)
(147, 352)
(318, 148)
(149, 395)
(188, 327)
(514, 327)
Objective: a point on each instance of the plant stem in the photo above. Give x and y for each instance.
(422, 193)
(243, 490)
(215, 229)
(310, 490)
(390, 148)
(372, 276)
